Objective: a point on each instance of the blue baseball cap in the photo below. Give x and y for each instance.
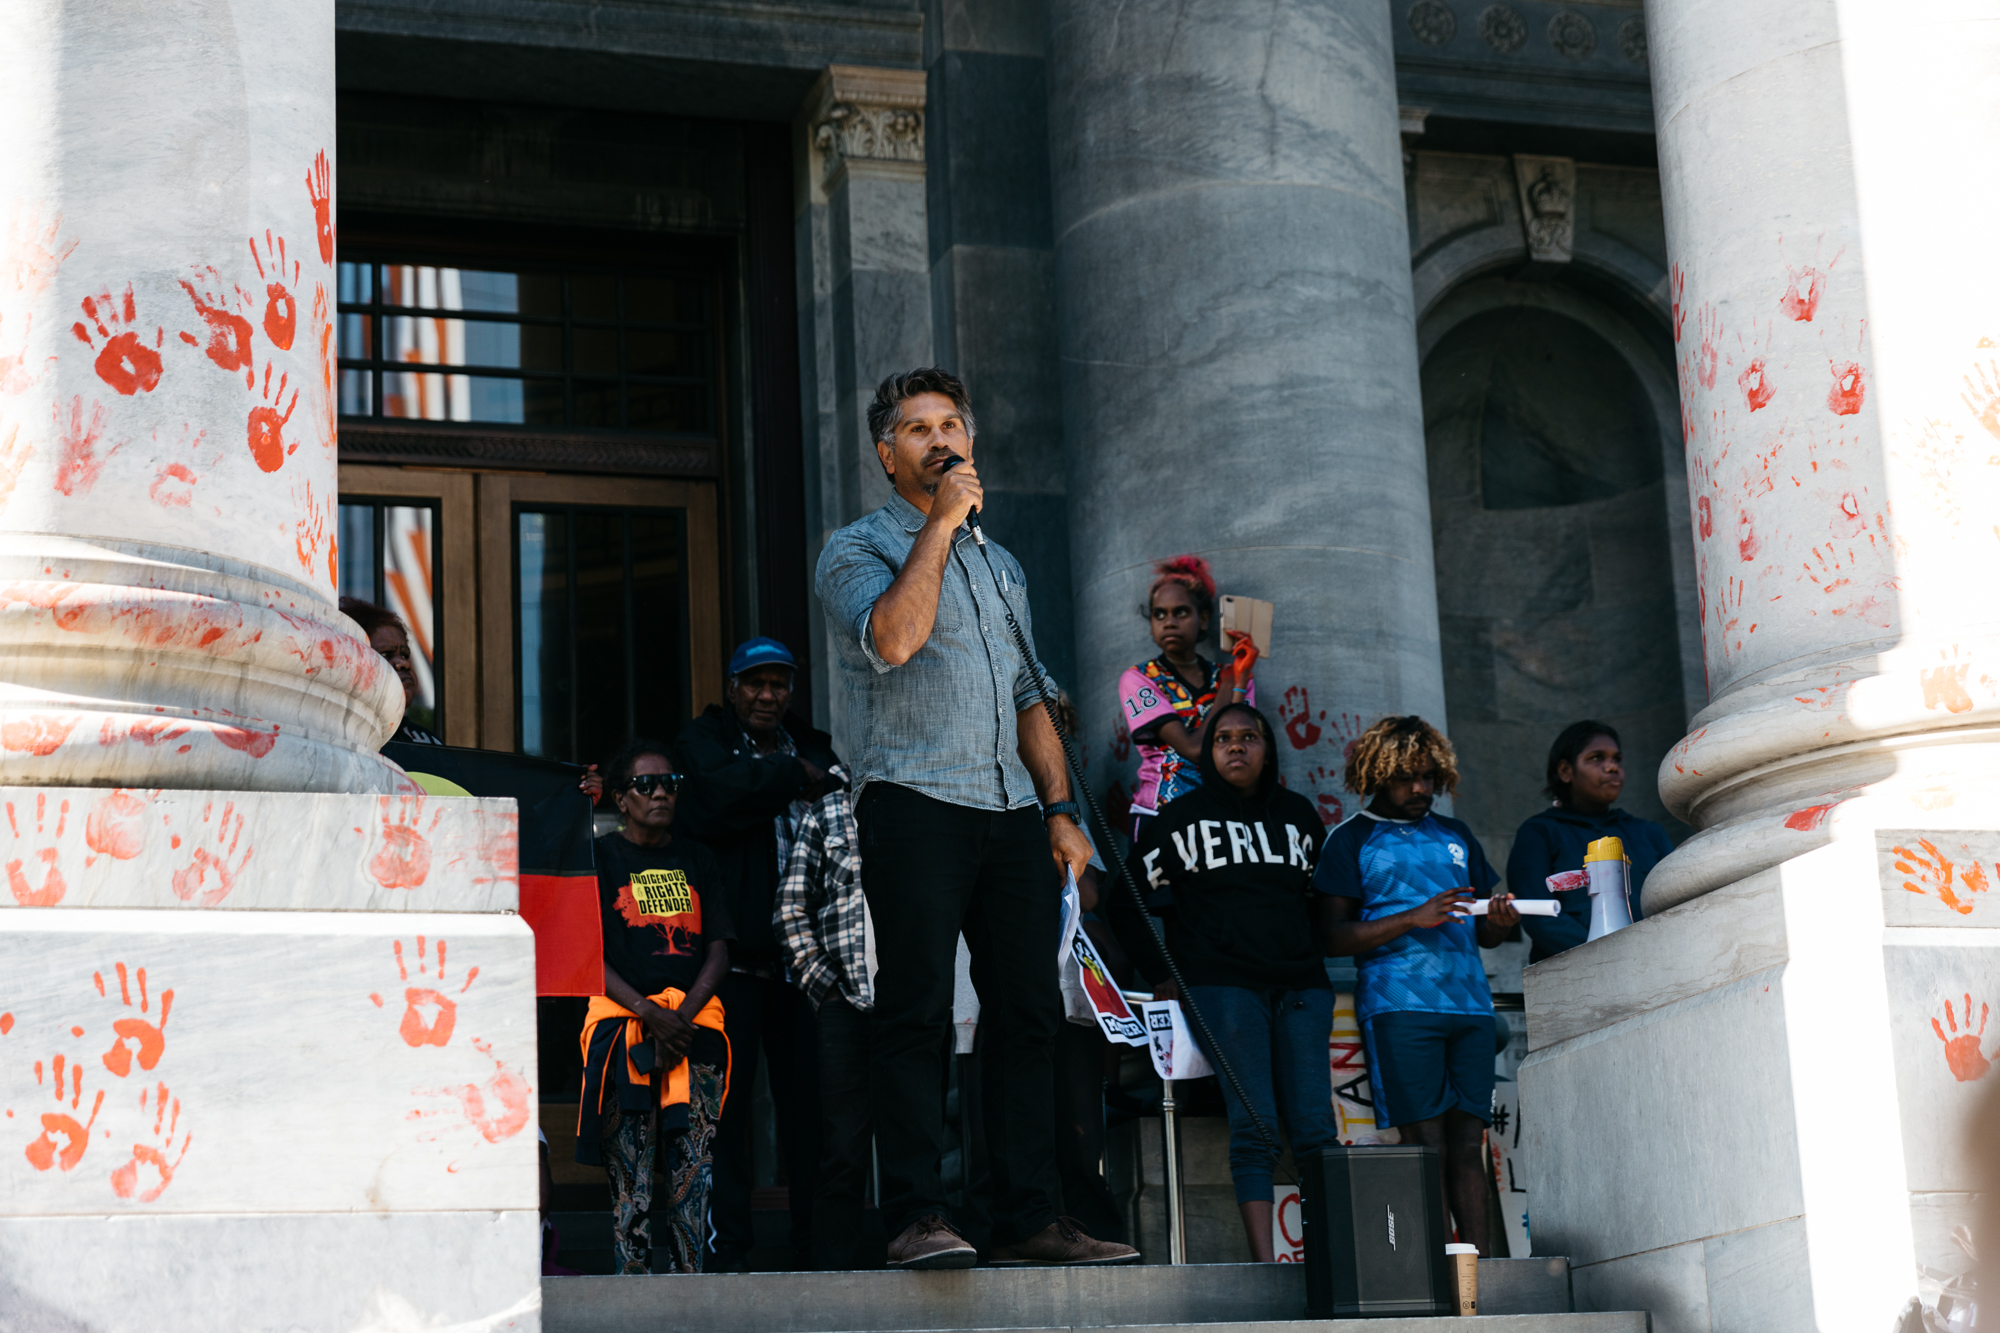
(760, 651)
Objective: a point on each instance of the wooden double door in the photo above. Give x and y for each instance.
(553, 615)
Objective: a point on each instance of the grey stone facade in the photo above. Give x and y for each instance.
(945, 161)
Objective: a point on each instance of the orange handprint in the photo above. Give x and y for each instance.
(1931, 871)
(207, 879)
(124, 362)
(149, 1041)
(319, 187)
(1961, 1049)
(51, 890)
(267, 427)
(1983, 396)
(405, 859)
(416, 1029)
(43, 1153)
(498, 1109)
(229, 334)
(281, 310)
(125, 1180)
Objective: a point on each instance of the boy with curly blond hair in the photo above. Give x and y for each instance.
(1401, 879)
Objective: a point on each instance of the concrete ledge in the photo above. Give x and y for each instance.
(1131, 1297)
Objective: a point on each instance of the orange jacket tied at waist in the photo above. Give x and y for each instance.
(673, 1089)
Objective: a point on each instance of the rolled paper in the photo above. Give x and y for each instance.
(1525, 906)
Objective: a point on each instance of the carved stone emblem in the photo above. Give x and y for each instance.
(1433, 22)
(1548, 206)
(1572, 35)
(1632, 39)
(1503, 28)
(868, 116)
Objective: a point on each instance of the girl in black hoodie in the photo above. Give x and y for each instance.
(1230, 868)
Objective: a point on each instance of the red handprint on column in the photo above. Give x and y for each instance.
(416, 1029)
(281, 310)
(127, 1180)
(1295, 712)
(124, 362)
(1961, 1049)
(43, 1152)
(319, 185)
(229, 333)
(267, 428)
(19, 879)
(147, 1040)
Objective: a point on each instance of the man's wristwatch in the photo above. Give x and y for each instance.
(1070, 808)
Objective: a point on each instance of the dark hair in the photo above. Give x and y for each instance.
(619, 771)
(371, 617)
(890, 395)
(1267, 781)
(1569, 744)
(1190, 572)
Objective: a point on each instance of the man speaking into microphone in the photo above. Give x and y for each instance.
(957, 765)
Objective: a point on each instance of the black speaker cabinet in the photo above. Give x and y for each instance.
(1375, 1233)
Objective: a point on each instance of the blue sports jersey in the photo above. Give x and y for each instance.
(1392, 866)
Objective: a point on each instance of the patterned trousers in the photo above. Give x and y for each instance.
(629, 1159)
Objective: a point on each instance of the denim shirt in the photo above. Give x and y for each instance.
(943, 723)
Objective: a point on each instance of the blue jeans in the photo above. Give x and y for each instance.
(1277, 1043)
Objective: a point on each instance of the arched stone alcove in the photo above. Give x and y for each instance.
(1557, 497)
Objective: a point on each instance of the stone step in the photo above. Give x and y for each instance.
(1515, 1296)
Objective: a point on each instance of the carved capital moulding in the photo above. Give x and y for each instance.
(1548, 206)
(863, 117)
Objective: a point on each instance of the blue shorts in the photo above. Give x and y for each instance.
(1423, 1065)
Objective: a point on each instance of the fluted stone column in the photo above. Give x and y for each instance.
(1752, 1110)
(167, 408)
(1238, 355)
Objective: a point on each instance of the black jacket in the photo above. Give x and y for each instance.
(1231, 877)
(731, 799)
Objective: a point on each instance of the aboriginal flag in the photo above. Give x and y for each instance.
(558, 870)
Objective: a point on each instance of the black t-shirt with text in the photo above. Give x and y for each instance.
(1232, 879)
(662, 907)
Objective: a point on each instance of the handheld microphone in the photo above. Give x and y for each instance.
(971, 515)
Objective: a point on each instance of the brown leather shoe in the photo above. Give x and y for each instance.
(929, 1242)
(1061, 1242)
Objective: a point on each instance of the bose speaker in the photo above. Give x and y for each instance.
(1375, 1233)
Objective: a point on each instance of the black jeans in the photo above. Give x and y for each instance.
(771, 1015)
(845, 1134)
(931, 870)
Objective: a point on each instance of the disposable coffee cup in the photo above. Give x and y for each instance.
(1465, 1269)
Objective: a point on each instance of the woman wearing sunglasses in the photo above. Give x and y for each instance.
(656, 1064)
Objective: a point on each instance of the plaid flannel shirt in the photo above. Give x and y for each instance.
(820, 917)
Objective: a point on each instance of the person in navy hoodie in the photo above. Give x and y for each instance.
(1586, 773)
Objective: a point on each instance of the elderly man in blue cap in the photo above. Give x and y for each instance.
(754, 770)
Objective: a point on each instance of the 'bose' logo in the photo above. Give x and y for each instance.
(1392, 1225)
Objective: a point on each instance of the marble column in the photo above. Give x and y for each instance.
(167, 410)
(1239, 365)
(865, 291)
(1752, 1109)
(1840, 390)
(266, 1056)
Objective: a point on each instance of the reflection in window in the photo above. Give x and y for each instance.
(620, 351)
(601, 624)
(388, 554)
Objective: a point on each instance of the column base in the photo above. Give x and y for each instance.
(1750, 1111)
(265, 1058)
